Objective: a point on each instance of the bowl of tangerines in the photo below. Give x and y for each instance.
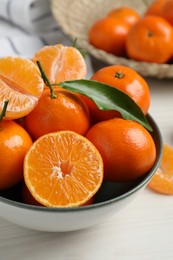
(73, 150)
(134, 33)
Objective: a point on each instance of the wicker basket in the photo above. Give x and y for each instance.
(75, 17)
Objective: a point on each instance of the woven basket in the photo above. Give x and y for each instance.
(75, 17)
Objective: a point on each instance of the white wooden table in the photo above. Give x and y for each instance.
(141, 231)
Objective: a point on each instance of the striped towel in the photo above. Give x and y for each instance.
(26, 26)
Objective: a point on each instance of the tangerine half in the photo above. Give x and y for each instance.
(63, 169)
(20, 83)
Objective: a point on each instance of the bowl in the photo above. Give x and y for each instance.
(108, 201)
(76, 17)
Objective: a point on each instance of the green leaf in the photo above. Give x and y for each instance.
(108, 98)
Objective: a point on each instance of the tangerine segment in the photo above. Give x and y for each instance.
(61, 63)
(63, 169)
(162, 181)
(21, 83)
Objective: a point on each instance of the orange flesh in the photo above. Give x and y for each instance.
(162, 181)
(61, 63)
(21, 83)
(63, 169)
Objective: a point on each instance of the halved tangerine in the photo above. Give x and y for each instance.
(162, 181)
(63, 169)
(20, 83)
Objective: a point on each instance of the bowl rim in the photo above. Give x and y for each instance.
(98, 204)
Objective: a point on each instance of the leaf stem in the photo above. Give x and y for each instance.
(46, 80)
(4, 109)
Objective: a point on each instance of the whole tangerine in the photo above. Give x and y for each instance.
(14, 143)
(67, 111)
(109, 34)
(155, 8)
(150, 40)
(128, 14)
(127, 149)
(167, 11)
(124, 79)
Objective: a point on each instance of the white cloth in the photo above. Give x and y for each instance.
(28, 25)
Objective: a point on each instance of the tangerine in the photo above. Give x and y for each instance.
(162, 181)
(127, 148)
(61, 63)
(65, 112)
(109, 34)
(20, 83)
(155, 8)
(128, 14)
(63, 169)
(126, 80)
(27, 197)
(150, 40)
(14, 143)
(167, 12)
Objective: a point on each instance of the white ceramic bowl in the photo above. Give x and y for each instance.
(109, 200)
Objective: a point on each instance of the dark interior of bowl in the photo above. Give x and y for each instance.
(109, 190)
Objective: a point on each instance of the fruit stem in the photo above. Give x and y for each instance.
(74, 43)
(82, 51)
(119, 75)
(46, 81)
(4, 109)
(150, 34)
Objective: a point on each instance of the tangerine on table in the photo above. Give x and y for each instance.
(128, 14)
(21, 83)
(63, 169)
(61, 63)
(127, 148)
(14, 143)
(162, 181)
(65, 112)
(150, 40)
(109, 34)
(124, 79)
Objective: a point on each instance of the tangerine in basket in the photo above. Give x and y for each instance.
(155, 8)
(128, 14)
(63, 169)
(150, 40)
(109, 34)
(67, 111)
(127, 148)
(14, 143)
(167, 11)
(20, 83)
(124, 79)
(162, 181)
(61, 63)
